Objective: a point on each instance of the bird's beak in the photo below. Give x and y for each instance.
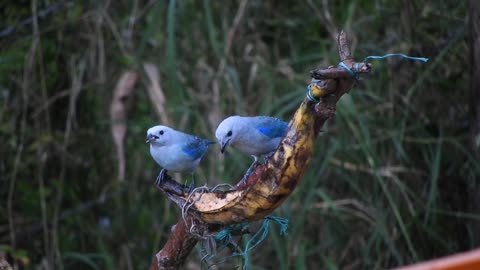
(224, 145)
(150, 138)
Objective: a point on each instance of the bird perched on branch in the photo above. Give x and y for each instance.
(176, 151)
(256, 136)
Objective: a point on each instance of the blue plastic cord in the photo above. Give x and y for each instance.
(344, 66)
(309, 92)
(354, 70)
(423, 59)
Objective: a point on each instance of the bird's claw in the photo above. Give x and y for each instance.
(191, 188)
(160, 177)
(249, 172)
(268, 156)
(244, 179)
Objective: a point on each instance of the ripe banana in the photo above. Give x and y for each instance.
(271, 183)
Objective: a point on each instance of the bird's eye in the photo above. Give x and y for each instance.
(229, 133)
(161, 132)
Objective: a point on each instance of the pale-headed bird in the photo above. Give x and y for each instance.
(176, 151)
(256, 136)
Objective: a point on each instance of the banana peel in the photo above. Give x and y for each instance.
(269, 184)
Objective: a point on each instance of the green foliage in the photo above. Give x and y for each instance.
(393, 180)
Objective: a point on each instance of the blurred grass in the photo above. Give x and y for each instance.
(393, 180)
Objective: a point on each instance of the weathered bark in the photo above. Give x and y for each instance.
(175, 251)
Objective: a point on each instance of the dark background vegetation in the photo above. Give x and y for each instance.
(394, 180)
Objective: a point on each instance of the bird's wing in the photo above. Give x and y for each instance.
(196, 148)
(271, 127)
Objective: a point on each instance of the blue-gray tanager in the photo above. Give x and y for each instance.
(255, 136)
(175, 151)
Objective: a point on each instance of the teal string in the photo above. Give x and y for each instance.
(221, 235)
(344, 66)
(422, 59)
(253, 242)
(263, 232)
(225, 236)
(282, 222)
(354, 70)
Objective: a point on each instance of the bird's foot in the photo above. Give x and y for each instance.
(192, 185)
(191, 188)
(244, 179)
(160, 177)
(249, 172)
(268, 156)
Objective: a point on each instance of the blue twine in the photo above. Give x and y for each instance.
(344, 66)
(225, 236)
(350, 71)
(282, 222)
(422, 59)
(356, 67)
(263, 232)
(309, 92)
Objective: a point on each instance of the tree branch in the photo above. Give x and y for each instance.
(205, 213)
(176, 249)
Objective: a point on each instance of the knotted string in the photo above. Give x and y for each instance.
(224, 237)
(261, 234)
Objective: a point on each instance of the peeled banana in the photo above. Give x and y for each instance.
(271, 183)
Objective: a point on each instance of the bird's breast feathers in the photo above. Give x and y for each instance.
(173, 158)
